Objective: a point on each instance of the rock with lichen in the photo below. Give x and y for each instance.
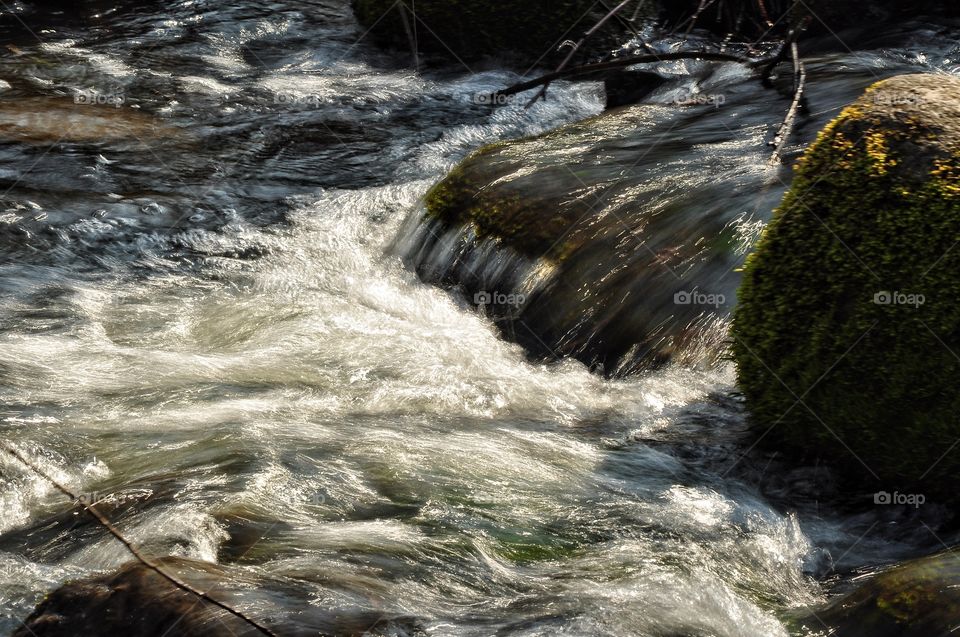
(847, 332)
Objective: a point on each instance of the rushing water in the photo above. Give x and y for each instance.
(203, 323)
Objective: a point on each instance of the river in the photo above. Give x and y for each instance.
(205, 324)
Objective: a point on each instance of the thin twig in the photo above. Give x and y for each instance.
(763, 12)
(799, 82)
(576, 47)
(636, 11)
(411, 33)
(704, 5)
(626, 23)
(620, 63)
(150, 564)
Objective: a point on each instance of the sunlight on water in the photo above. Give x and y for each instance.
(239, 367)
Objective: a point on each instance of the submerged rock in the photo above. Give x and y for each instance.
(597, 241)
(920, 598)
(466, 30)
(623, 88)
(848, 327)
(135, 600)
(90, 118)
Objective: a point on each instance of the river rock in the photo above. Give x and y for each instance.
(598, 241)
(135, 600)
(468, 30)
(623, 88)
(847, 332)
(920, 598)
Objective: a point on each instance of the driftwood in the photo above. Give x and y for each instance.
(112, 530)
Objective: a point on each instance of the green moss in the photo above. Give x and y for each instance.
(510, 218)
(471, 29)
(875, 207)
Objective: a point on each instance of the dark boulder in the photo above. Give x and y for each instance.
(136, 601)
(467, 30)
(624, 88)
(597, 241)
(756, 18)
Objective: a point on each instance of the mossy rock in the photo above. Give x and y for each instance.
(467, 30)
(920, 598)
(619, 230)
(847, 332)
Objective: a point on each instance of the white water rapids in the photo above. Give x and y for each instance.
(314, 411)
